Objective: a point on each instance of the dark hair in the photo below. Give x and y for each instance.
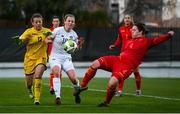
(68, 15)
(141, 27)
(55, 17)
(36, 15)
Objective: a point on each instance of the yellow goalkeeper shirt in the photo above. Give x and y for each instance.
(36, 47)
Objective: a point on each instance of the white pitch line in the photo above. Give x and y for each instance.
(149, 96)
(98, 90)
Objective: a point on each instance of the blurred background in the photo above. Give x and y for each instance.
(97, 21)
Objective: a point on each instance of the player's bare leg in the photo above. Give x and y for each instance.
(88, 76)
(72, 76)
(29, 85)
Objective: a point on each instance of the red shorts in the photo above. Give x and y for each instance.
(119, 67)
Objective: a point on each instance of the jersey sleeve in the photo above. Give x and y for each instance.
(119, 38)
(25, 36)
(54, 33)
(118, 41)
(158, 40)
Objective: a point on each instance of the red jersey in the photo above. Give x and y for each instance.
(136, 48)
(124, 34)
(50, 44)
(134, 51)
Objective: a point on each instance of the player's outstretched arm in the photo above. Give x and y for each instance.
(116, 43)
(161, 38)
(19, 41)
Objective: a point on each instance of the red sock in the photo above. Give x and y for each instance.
(120, 86)
(90, 73)
(138, 80)
(109, 94)
(51, 80)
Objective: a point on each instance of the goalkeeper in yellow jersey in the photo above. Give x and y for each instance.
(36, 55)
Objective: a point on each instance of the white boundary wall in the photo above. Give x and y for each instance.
(147, 69)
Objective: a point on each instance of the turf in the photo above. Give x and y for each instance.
(159, 95)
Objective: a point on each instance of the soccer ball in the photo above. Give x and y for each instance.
(70, 46)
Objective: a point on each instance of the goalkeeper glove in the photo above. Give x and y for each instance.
(16, 40)
(47, 33)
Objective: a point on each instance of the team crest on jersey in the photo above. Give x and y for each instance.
(71, 37)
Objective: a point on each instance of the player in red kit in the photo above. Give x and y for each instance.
(123, 65)
(124, 34)
(55, 24)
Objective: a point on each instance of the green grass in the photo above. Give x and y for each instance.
(14, 97)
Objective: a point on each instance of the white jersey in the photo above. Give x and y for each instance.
(60, 36)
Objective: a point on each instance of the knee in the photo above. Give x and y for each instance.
(95, 64)
(113, 83)
(56, 70)
(112, 86)
(118, 76)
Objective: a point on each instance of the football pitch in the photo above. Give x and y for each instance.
(159, 95)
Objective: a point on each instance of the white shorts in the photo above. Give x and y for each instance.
(64, 63)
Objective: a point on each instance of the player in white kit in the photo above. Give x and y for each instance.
(60, 59)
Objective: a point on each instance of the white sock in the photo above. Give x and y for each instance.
(57, 86)
(76, 86)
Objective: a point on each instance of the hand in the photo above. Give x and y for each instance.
(171, 33)
(16, 40)
(111, 47)
(80, 42)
